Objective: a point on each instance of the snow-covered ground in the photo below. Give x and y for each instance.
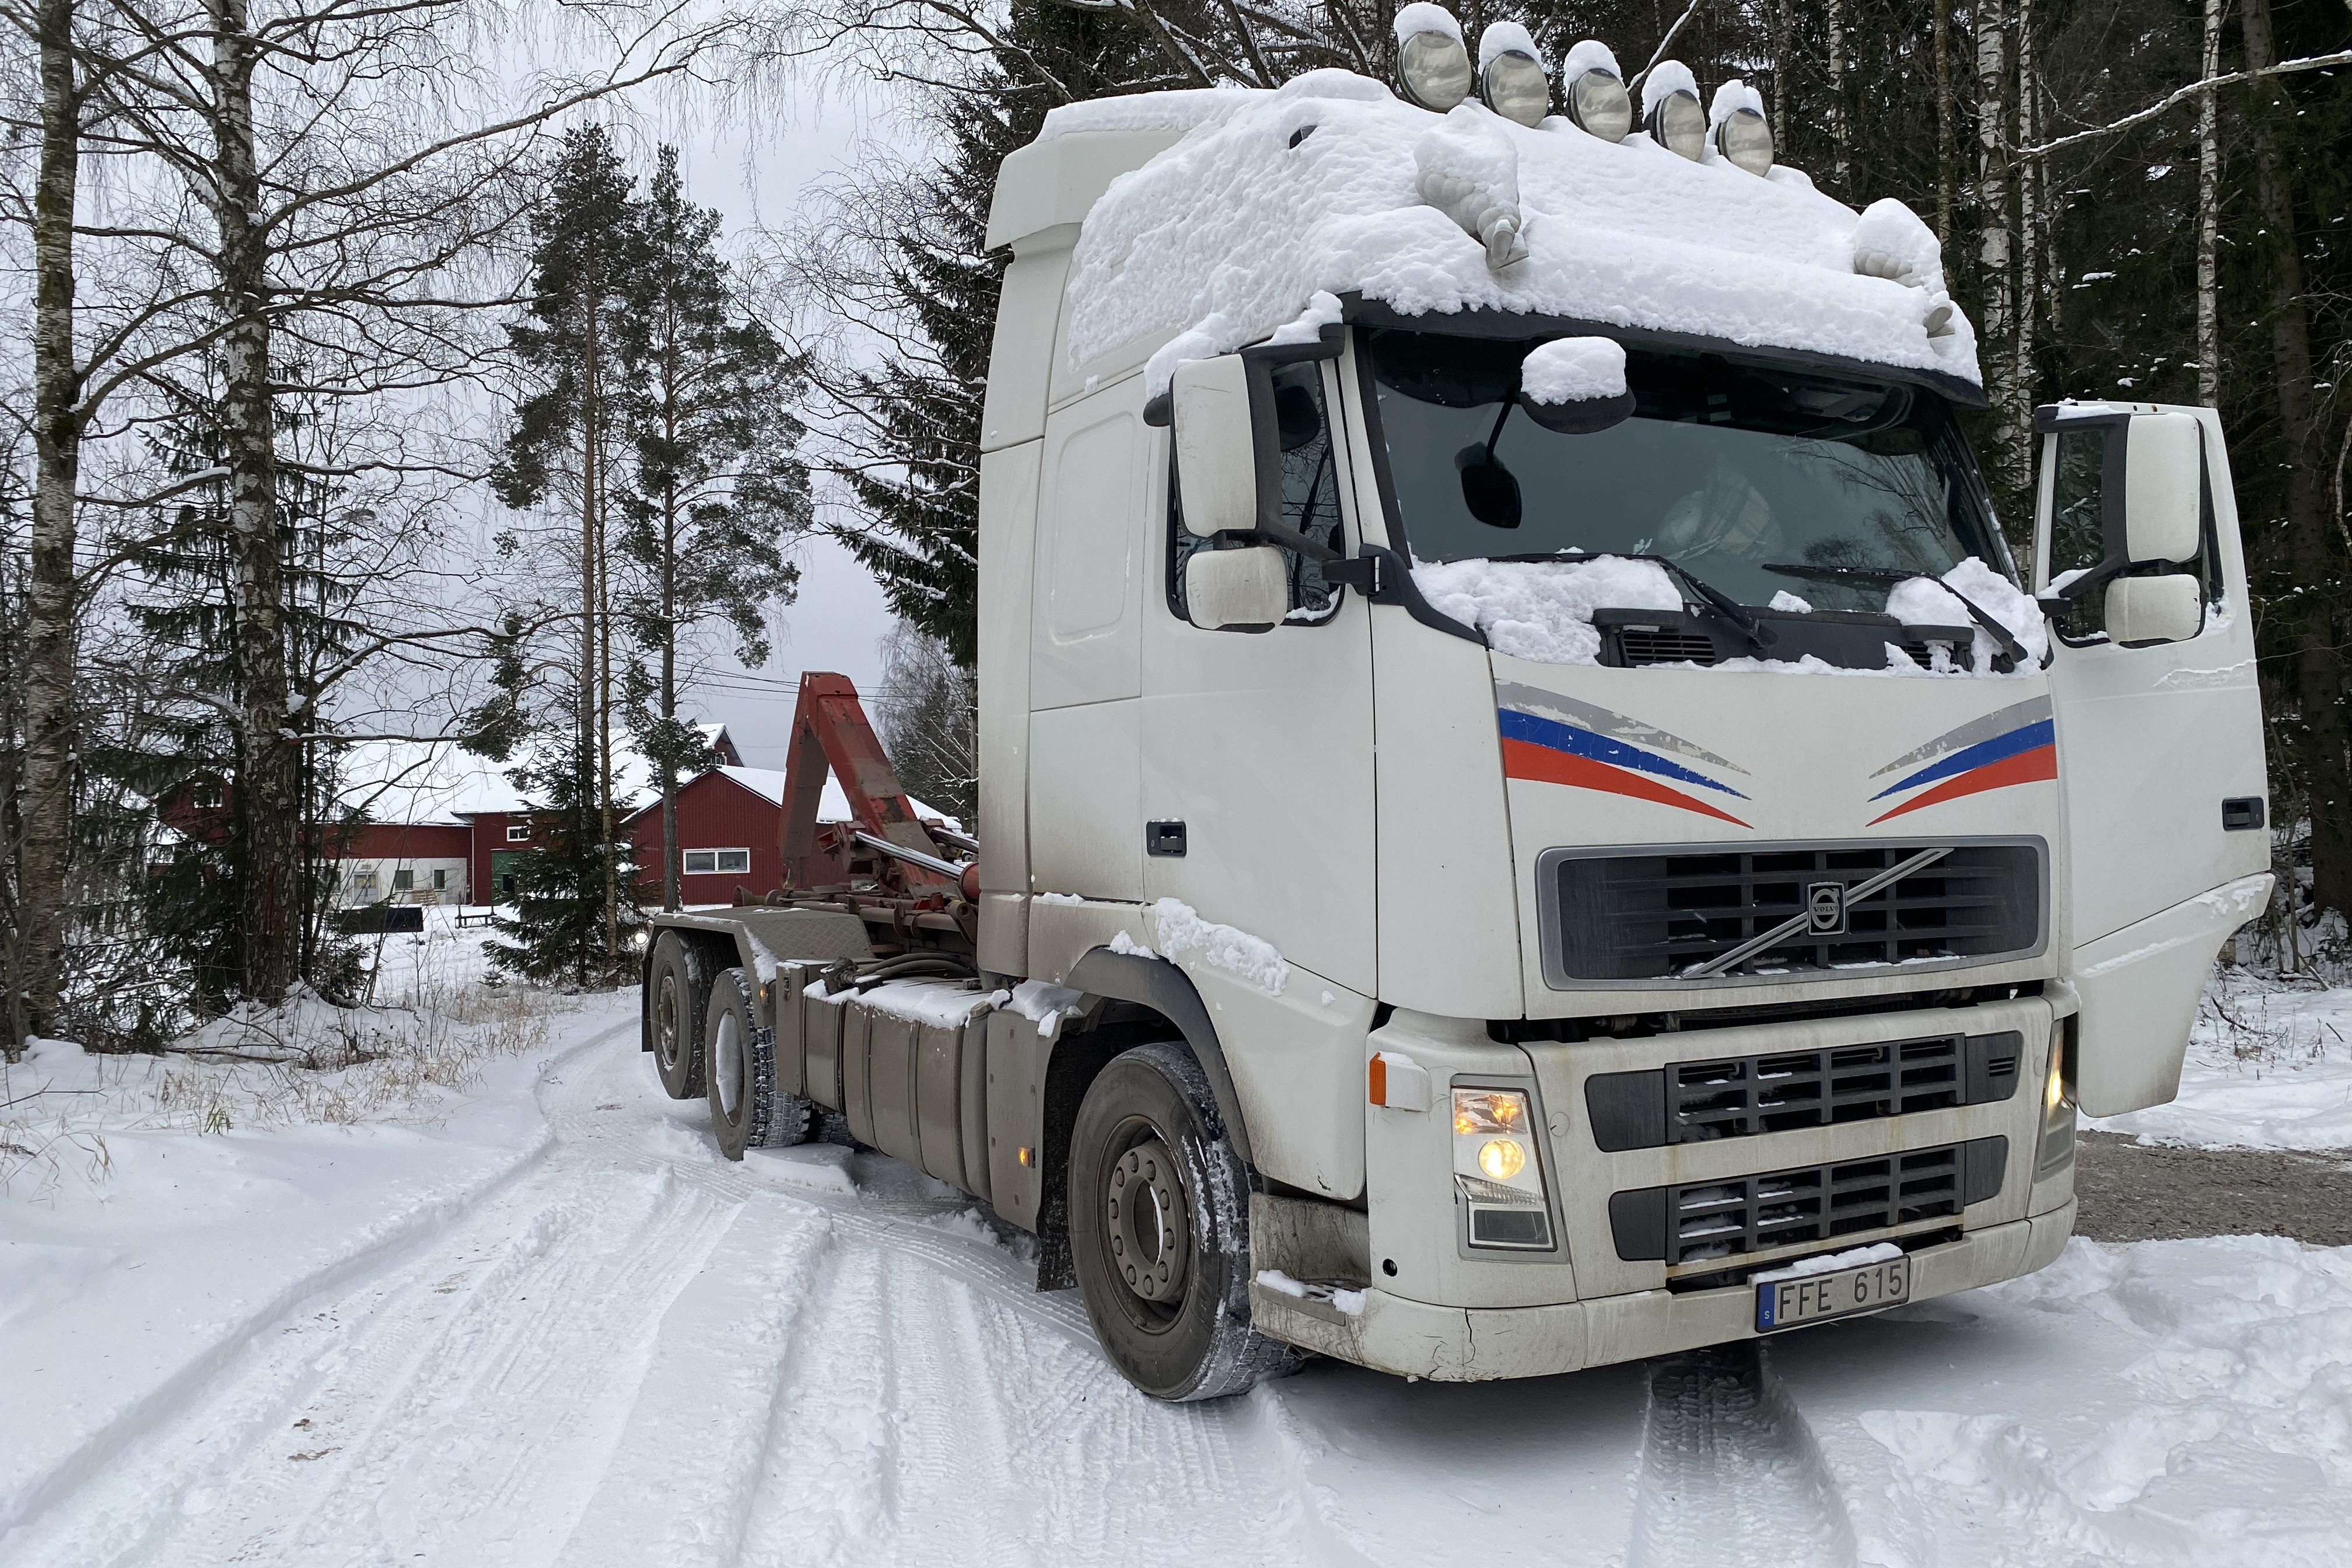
(2270, 1066)
(537, 1320)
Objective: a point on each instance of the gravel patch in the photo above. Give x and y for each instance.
(2139, 1192)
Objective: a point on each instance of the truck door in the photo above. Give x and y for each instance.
(2159, 727)
(1260, 743)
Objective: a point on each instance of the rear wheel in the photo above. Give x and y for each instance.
(1160, 1231)
(678, 990)
(747, 1110)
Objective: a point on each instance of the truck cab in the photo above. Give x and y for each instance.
(1530, 818)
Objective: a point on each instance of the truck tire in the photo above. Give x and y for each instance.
(1160, 1231)
(678, 990)
(747, 1109)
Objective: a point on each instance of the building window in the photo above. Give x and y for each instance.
(404, 880)
(440, 880)
(363, 879)
(701, 862)
(518, 831)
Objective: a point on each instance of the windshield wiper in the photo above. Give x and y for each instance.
(1759, 635)
(2001, 634)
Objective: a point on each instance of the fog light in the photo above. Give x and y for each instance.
(1502, 1158)
(1671, 112)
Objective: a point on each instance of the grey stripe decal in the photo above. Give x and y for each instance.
(2000, 722)
(1601, 721)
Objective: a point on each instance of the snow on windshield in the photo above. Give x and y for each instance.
(1274, 196)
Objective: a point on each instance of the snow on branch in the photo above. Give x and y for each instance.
(1664, 44)
(2182, 95)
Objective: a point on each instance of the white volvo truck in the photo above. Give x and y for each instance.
(1526, 818)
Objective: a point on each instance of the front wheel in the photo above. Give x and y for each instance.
(747, 1110)
(1160, 1231)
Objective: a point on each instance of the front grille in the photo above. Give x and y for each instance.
(1655, 916)
(1705, 1221)
(1740, 1096)
(1640, 645)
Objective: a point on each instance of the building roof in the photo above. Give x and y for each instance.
(768, 784)
(440, 781)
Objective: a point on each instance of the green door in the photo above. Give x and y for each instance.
(504, 864)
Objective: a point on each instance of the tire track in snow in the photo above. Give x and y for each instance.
(1729, 1472)
(421, 1414)
(214, 1373)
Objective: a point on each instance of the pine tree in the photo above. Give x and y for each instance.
(716, 485)
(582, 343)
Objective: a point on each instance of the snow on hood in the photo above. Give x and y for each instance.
(1920, 602)
(1542, 610)
(1273, 197)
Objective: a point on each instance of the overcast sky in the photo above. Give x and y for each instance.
(758, 173)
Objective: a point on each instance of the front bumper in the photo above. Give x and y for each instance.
(1457, 1344)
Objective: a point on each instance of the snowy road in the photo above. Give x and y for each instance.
(629, 1352)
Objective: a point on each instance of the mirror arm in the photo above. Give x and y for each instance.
(1280, 534)
(2055, 601)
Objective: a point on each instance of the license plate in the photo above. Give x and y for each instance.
(1811, 1298)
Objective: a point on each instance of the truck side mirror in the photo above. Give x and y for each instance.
(1236, 590)
(2163, 488)
(1218, 464)
(2142, 610)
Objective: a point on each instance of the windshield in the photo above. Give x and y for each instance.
(1725, 467)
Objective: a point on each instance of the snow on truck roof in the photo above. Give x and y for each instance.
(1272, 205)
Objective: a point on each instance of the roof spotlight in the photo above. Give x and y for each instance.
(1595, 92)
(1671, 112)
(1744, 137)
(1739, 129)
(1432, 66)
(1511, 79)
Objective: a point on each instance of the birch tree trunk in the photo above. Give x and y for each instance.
(2318, 666)
(268, 808)
(1781, 70)
(2209, 215)
(1841, 136)
(1994, 253)
(49, 612)
(1947, 153)
(2028, 236)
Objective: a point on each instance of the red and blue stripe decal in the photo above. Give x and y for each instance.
(2026, 754)
(1545, 751)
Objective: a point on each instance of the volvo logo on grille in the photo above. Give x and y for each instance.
(1825, 909)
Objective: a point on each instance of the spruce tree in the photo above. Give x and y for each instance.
(942, 281)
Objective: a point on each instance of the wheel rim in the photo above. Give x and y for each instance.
(666, 1021)
(726, 1065)
(1147, 1226)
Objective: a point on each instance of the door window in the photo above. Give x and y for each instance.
(1310, 495)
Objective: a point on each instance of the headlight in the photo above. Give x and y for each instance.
(2057, 1110)
(1511, 79)
(1743, 138)
(1432, 68)
(1597, 104)
(1499, 1171)
(1679, 124)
